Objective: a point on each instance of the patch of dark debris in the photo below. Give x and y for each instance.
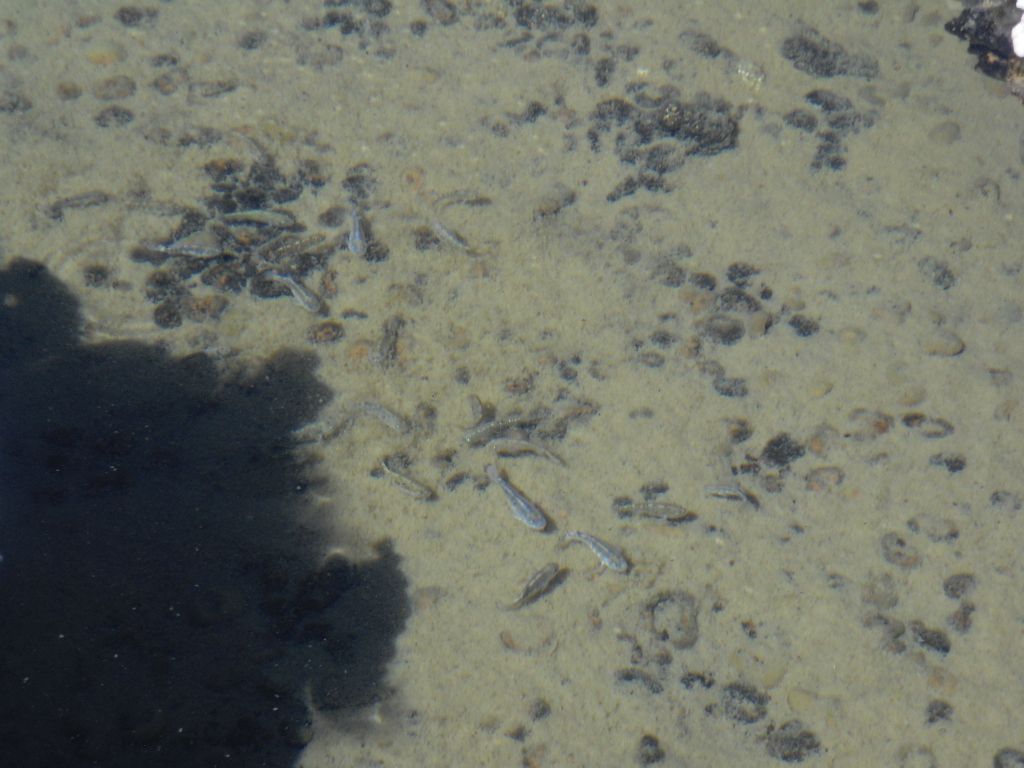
(654, 130)
(811, 52)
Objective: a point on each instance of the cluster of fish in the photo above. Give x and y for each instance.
(243, 237)
(531, 515)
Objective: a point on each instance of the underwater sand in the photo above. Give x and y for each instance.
(855, 314)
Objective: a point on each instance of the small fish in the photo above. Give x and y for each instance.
(611, 557)
(660, 511)
(732, 493)
(357, 244)
(385, 416)
(488, 429)
(524, 509)
(203, 244)
(305, 297)
(510, 446)
(542, 582)
(452, 237)
(393, 469)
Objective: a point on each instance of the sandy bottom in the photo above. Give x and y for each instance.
(797, 319)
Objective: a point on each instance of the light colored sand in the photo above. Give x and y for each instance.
(830, 243)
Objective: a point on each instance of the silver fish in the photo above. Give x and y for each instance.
(357, 244)
(405, 482)
(309, 300)
(524, 509)
(542, 582)
(735, 492)
(611, 557)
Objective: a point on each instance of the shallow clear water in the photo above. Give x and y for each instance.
(759, 263)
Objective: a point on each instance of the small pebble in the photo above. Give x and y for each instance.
(105, 54)
(792, 743)
(167, 314)
(880, 592)
(824, 479)
(744, 703)
(12, 102)
(942, 343)
(938, 710)
(897, 551)
(539, 710)
(960, 620)
(132, 16)
(650, 751)
(953, 463)
(937, 528)
(781, 451)
(932, 639)
(119, 87)
(67, 91)
(113, 117)
(1008, 758)
(327, 332)
(722, 329)
(672, 617)
(693, 680)
(927, 427)
(804, 326)
(651, 359)
(958, 585)
(728, 386)
(636, 675)
(250, 41)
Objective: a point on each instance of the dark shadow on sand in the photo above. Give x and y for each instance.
(164, 598)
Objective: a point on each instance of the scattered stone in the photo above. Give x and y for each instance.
(927, 426)
(120, 87)
(730, 386)
(959, 585)
(791, 742)
(326, 332)
(12, 102)
(937, 711)
(803, 325)
(672, 617)
(113, 117)
(899, 552)
(1008, 758)
(932, 639)
(938, 529)
(942, 343)
(252, 40)
(1006, 501)
(132, 16)
(744, 703)
(722, 329)
(937, 272)
(960, 620)
(811, 52)
(539, 710)
(781, 451)
(637, 675)
(650, 751)
(823, 479)
(952, 463)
